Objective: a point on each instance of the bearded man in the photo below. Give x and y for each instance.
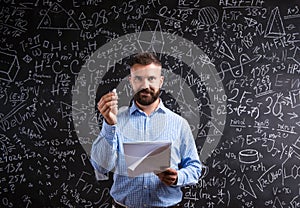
(147, 119)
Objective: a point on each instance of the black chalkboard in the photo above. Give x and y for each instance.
(231, 68)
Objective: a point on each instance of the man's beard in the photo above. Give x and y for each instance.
(146, 100)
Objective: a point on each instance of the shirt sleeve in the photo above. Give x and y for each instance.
(190, 165)
(104, 151)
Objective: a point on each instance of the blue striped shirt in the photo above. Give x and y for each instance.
(146, 190)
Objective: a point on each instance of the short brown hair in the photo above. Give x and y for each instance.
(144, 58)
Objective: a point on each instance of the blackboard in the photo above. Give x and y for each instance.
(231, 67)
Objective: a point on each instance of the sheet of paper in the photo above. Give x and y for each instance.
(144, 157)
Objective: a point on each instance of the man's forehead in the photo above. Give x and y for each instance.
(145, 69)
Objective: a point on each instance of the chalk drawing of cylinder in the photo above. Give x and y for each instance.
(248, 156)
(9, 66)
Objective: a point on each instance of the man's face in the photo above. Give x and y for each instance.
(146, 81)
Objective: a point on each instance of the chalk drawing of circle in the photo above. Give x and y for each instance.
(248, 156)
(208, 15)
(111, 53)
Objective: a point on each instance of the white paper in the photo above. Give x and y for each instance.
(144, 157)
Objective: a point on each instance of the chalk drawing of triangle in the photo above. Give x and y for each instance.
(58, 18)
(274, 27)
(250, 22)
(246, 186)
(277, 203)
(215, 131)
(296, 55)
(93, 119)
(226, 51)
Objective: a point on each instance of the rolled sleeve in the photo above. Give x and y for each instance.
(108, 132)
(190, 165)
(103, 152)
(189, 175)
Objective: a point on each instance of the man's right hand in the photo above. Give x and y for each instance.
(108, 107)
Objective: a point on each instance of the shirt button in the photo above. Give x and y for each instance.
(145, 205)
(145, 187)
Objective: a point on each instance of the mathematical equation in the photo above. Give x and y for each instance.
(231, 69)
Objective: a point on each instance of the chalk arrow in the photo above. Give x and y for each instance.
(293, 115)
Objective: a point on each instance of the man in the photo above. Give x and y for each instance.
(147, 119)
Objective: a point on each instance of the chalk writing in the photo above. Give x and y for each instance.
(231, 68)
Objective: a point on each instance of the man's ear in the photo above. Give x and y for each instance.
(129, 79)
(161, 81)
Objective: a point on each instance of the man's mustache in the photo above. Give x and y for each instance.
(147, 90)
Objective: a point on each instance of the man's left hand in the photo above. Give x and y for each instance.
(168, 177)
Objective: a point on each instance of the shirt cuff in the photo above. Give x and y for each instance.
(108, 131)
(100, 173)
(180, 178)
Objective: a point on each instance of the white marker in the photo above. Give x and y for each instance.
(114, 91)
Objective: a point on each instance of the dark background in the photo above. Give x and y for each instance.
(253, 46)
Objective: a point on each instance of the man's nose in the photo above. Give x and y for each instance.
(145, 84)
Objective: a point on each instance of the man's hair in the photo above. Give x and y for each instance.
(144, 58)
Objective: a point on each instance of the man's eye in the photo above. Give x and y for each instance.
(151, 78)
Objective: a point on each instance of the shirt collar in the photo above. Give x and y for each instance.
(161, 107)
